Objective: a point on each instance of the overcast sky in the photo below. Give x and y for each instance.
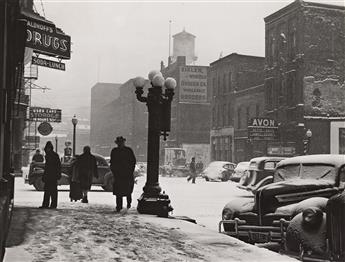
(114, 41)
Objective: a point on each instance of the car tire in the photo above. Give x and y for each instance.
(225, 177)
(39, 184)
(207, 179)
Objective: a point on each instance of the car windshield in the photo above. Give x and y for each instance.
(305, 171)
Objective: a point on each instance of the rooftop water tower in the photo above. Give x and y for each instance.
(184, 45)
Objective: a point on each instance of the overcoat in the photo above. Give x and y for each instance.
(86, 166)
(52, 170)
(122, 165)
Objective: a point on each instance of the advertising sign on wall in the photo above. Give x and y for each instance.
(262, 129)
(45, 128)
(193, 84)
(46, 39)
(43, 114)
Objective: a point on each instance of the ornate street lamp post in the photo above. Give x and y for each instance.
(74, 122)
(152, 201)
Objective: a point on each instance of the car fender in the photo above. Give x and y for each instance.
(237, 206)
(64, 180)
(296, 208)
(108, 178)
(309, 237)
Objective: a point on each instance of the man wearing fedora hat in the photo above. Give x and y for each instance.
(122, 165)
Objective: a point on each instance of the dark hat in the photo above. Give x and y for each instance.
(120, 139)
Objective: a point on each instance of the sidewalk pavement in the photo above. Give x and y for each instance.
(93, 232)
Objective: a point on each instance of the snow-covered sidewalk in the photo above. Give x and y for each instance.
(93, 232)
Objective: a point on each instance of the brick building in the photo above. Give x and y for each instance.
(304, 74)
(190, 109)
(237, 95)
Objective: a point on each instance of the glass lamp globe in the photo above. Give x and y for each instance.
(170, 83)
(309, 133)
(158, 80)
(74, 120)
(153, 73)
(139, 81)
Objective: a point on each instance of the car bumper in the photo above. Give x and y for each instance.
(255, 234)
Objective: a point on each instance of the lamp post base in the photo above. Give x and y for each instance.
(154, 205)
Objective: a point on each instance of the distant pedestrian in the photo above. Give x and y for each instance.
(37, 157)
(192, 170)
(86, 168)
(52, 173)
(122, 164)
(199, 167)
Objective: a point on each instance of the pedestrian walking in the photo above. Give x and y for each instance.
(37, 157)
(192, 170)
(86, 168)
(122, 164)
(52, 173)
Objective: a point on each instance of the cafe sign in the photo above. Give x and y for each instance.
(46, 39)
(262, 129)
(42, 114)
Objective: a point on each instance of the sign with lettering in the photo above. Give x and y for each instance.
(45, 128)
(45, 38)
(281, 149)
(193, 84)
(262, 129)
(45, 114)
(48, 63)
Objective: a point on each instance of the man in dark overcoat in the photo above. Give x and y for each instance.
(52, 173)
(122, 165)
(86, 169)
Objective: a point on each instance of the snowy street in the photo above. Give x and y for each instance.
(94, 232)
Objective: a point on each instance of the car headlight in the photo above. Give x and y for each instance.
(227, 214)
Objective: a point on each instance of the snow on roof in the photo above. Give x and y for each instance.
(266, 158)
(331, 159)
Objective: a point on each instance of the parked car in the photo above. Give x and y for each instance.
(218, 171)
(105, 178)
(240, 171)
(259, 169)
(298, 183)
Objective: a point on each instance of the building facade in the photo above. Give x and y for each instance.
(190, 109)
(304, 74)
(237, 95)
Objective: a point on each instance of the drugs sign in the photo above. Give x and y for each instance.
(42, 114)
(262, 129)
(45, 38)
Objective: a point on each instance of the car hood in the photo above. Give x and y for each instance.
(213, 172)
(299, 185)
(292, 191)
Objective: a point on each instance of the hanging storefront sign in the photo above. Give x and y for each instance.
(45, 38)
(281, 149)
(262, 129)
(45, 128)
(48, 63)
(193, 84)
(43, 114)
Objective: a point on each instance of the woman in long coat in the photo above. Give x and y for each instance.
(122, 165)
(86, 166)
